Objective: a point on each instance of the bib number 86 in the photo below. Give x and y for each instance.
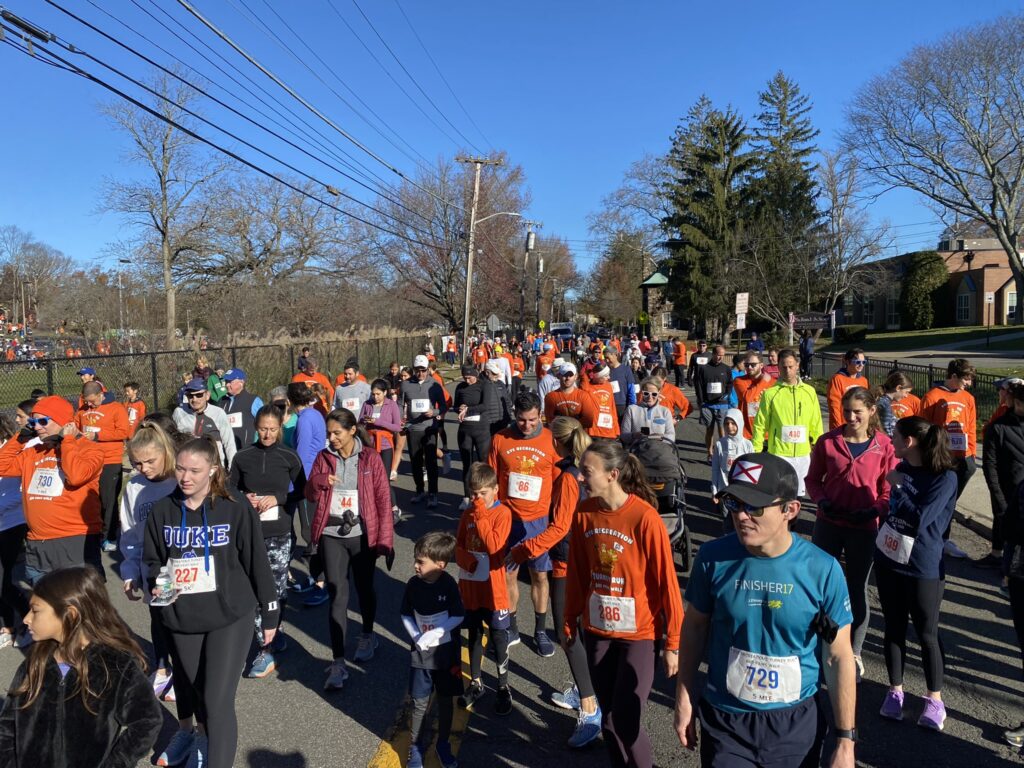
(610, 613)
(765, 678)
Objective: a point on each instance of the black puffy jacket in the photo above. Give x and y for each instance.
(1003, 465)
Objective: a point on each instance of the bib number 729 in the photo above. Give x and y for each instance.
(762, 678)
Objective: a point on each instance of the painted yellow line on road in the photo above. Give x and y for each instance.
(393, 751)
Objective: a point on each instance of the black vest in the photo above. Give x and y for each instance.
(241, 404)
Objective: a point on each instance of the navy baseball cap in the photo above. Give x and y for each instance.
(90, 371)
(235, 374)
(195, 384)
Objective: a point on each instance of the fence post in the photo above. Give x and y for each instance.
(152, 370)
(380, 362)
(291, 358)
(234, 357)
(49, 376)
(931, 377)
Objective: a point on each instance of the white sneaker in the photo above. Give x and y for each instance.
(951, 549)
(337, 674)
(367, 645)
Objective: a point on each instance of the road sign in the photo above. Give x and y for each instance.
(810, 320)
(644, 318)
(742, 303)
(542, 324)
(741, 321)
(990, 297)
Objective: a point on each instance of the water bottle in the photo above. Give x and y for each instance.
(164, 587)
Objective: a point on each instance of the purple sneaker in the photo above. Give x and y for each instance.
(892, 707)
(933, 716)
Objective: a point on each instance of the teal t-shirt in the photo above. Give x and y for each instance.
(762, 654)
(289, 430)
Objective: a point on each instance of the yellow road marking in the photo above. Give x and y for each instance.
(393, 751)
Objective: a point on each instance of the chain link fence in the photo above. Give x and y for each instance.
(161, 374)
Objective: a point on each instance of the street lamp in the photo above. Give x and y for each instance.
(473, 221)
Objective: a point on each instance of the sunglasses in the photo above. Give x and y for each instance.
(648, 395)
(40, 421)
(859, 362)
(734, 506)
(751, 365)
(195, 395)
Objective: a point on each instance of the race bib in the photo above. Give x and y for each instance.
(702, 361)
(957, 441)
(431, 621)
(270, 515)
(91, 430)
(714, 387)
(482, 572)
(795, 434)
(752, 409)
(525, 487)
(475, 417)
(342, 501)
(420, 405)
(896, 546)
(612, 614)
(46, 481)
(761, 679)
(132, 415)
(235, 420)
(191, 577)
(350, 404)
(604, 420)
(615, 387)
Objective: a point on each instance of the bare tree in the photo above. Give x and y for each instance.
(167, 205)
(948, 123)
(638, 207)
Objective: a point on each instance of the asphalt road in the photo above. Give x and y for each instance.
(288, 721)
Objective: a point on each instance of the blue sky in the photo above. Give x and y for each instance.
(573, 91)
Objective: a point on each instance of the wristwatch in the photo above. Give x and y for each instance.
(850, 734)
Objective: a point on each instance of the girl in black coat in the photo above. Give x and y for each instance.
(81, 699)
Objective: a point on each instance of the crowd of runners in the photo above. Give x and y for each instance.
(239, 502)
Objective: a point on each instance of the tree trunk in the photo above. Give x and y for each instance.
(169, 294)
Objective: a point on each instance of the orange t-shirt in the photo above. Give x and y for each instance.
(606, 423)
(480, 355)
(316, 378)
(576, 404)
(136, 413)
(518, 366)
(954, 410)
(109, 423)
(679, 353)
(447, 395)
(672, 397)
(49, 512)
(526, 471)
(485, 532)
(837, 387)
(622, 582)
(748, 399)
(910, 405)
(547, 358)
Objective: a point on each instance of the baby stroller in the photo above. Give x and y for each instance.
(660, 461)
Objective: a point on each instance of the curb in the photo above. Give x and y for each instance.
(967, 521)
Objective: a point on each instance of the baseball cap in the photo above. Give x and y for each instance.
(1008, 382)
(469, 370)
(761, 479)
(420, 361)
(90, 371)
(492, 367)
(234, 375)
(195, 384)
(566, 368)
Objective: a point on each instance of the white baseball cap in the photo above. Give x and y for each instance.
(492, 367)
(420, 361)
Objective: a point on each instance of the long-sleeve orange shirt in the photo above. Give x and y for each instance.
(109, 424)
(606, 423)
(576, 404)
(953, 409)
(136, 413)
(622, 581)
(526, 471)
(838, 385)
(672, 397)
(908, 405)
(480, 554)
(60, 486)
(748, 398)
(564, 497)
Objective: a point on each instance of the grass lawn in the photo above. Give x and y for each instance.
(901, 341)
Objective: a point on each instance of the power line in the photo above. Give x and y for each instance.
(441, 75)
(409, 75)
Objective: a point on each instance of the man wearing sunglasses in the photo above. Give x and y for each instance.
(60, 489)
(199, 418)
(765, 605)
(749, 387)
(852, 374)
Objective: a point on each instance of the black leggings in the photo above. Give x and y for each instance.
(858, 547)
(340, 555)
(575, 654)
(470, 439)
(423, 448)
(920, 600)
(207, 669)
(623, 673)
(12, 602)
(387, 455)
(1017, 607)
(110, 489)
(161, 639)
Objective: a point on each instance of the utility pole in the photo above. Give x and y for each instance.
(531, 240)
(478, 163)
(540, 274)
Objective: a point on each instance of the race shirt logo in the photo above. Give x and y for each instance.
(608, 557)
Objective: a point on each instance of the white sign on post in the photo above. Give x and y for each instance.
(990, 297)
(742, 303)
(741, 321)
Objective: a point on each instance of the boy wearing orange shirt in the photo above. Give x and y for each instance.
(107, 425)
(134, 405)
(481, 545)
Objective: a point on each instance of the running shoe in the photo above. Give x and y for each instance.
(951, 549)
(197, 757)
(513, 637)
(588, 728)
(464, 505)
(934, 715)
(6, 640)
(444, 754)
(432, 501)
(161, 682)
(1015, 736)
(317, 596)
(108, 546)
(396, 515)
(415, 756)
(178, 749)
(169, 694)
(892, 706)
(989, 562)
(302, 585)
(367, 645)
(567, 699)
(446, 463)
(545, 647)
(472, 694)
(337, 674)
(419, 498)
(860, 667)
(280, 643)
(262, 665)
(503, 701)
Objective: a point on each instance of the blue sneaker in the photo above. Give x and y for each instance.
(415, 757)
(444, 754)
(302, 584)
(262, 665)
(567, 699)
(588, 728)
(545, 647)
(316, 596)
(197, 758)
(178, 749)
(108, 546)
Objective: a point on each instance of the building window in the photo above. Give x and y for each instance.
(666, 320)
(963, 308)
(868, 312)
(1011, 306)
(848, 307)
(892, 308)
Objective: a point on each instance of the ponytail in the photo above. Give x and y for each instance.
(932, 443)
(632, 477)
(895, 379)
(571, 435)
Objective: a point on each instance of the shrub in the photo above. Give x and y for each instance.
(846, 334)
(923, 289)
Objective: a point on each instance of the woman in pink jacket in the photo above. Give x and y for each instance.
(352, 526)
(847, 481)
